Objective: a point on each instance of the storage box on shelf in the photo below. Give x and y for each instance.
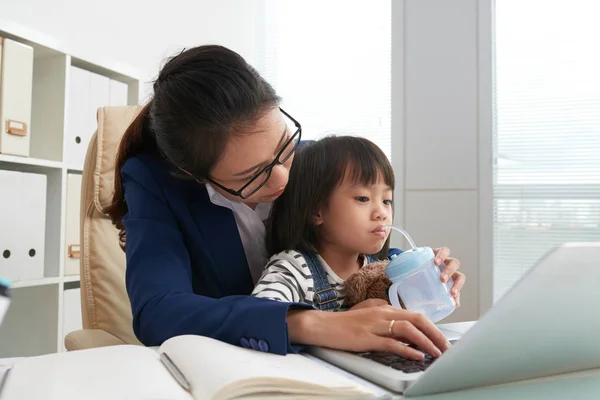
(40, 179)
(16, 71)
(87, 92)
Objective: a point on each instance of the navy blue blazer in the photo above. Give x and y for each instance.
(186, 268)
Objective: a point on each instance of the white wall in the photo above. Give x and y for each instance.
(441, 134)
(142, 33)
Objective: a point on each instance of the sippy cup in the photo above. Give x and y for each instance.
(416, 284)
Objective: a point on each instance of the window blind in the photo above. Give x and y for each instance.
(547, 141)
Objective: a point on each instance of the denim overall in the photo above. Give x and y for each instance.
(326, 298)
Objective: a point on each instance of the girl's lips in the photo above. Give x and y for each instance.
(380, 231)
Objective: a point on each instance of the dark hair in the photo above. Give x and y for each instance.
(202, 97)
(318, 169)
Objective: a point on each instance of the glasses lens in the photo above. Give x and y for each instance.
(286, 153)
(291, 146)
(256, 184)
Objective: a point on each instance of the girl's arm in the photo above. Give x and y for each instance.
(286, 278)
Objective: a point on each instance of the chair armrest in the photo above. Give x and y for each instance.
(90, 338)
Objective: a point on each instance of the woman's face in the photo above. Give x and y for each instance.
(251, 150)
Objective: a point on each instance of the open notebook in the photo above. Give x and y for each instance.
(213, 370)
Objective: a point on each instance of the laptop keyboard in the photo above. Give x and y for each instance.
(405, 365)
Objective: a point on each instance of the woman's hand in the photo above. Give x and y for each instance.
(368, 329)
(369, 303)
(442, 255)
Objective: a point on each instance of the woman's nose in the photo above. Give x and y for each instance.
(279, 177)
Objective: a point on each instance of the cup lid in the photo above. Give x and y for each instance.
(408, 260)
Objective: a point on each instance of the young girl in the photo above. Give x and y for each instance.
(329, 222)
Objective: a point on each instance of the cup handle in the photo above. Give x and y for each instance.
(393, 294)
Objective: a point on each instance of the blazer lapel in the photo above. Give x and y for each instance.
(222, 238)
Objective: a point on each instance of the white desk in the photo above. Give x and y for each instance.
(581, 385)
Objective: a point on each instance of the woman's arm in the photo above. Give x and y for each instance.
(159, 281)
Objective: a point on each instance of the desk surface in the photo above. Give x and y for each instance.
(580, 385)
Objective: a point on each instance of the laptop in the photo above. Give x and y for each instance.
(547, 324)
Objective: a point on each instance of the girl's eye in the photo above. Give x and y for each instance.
(362, 199)
(387, 202)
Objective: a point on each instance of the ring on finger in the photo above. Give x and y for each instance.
(391, 326)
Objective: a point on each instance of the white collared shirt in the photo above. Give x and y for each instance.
(251, 226)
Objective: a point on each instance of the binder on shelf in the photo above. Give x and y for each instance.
(72, 237)
(78, 115)
(23, 222)
(88, 91)
(16, 85)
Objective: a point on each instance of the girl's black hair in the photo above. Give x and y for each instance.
(318, 168)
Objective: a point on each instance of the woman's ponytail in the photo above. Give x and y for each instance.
(137, 138)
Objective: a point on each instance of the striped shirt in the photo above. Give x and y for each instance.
(287, 278)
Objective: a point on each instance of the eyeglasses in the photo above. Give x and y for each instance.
(261, 177)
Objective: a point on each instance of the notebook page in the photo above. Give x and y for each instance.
(210, 365)
(114, 372)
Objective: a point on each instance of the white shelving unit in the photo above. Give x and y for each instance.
(34, 322)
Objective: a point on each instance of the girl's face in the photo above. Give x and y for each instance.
(352, 220)
(249, 152)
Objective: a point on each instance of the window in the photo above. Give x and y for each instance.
(331, 63)
(547, 142)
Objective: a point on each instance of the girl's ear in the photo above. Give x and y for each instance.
(317, 219)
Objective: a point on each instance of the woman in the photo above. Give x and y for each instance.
(195, 175)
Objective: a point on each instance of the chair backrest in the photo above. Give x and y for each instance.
(104, 301)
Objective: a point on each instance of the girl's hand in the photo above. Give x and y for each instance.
(442, 255)
(368, 329)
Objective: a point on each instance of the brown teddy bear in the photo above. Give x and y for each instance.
(370, 282)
